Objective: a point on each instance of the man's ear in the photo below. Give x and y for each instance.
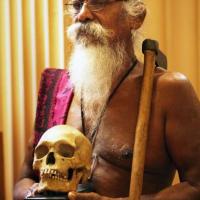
(136, 22)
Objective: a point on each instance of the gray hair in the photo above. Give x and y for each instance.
(136, 8)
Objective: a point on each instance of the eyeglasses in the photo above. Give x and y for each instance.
(74, 7)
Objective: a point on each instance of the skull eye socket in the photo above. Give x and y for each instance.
(65, 150)
(41, 151)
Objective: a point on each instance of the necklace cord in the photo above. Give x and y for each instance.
(93, 134)
(95, 130)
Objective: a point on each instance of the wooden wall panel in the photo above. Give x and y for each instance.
(2, 189)
(198, 44)
(56, 33)
(29, 46)
(6, 97)
(18, 82)
(42, 37)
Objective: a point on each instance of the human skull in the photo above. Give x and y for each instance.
(63, 159)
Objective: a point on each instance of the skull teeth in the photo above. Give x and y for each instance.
(52, 174)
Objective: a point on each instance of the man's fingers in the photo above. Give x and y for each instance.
(32, 190)
(72, 195)
(83, 196)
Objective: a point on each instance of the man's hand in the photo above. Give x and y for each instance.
(95, 196)
(24, 188)
(85, 196)
(32, 190)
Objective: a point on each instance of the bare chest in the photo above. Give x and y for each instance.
(115, 137)
(115, 140)
(115, 134)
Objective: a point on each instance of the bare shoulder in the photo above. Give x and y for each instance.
(179, 100)
(171, 79)
(175, 89)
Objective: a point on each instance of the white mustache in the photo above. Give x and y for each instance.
(78, 30)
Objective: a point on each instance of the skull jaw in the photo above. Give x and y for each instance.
(48, 184)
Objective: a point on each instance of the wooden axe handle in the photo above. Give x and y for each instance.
(139, 153)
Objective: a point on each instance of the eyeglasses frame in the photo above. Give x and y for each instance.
(89, 6)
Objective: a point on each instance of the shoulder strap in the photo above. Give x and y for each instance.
(54, 99)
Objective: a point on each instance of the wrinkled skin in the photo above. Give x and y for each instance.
(174, 131)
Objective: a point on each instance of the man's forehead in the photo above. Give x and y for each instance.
(89, 1)
(98, 1)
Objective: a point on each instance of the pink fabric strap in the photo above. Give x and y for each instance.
(54, 100)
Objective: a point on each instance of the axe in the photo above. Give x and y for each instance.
(150, 50)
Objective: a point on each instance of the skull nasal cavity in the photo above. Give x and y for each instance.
(50, 159)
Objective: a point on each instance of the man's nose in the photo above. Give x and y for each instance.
(84, 15)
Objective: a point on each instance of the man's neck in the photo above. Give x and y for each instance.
(127, 64)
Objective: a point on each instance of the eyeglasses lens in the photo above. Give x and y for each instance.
(74, 7)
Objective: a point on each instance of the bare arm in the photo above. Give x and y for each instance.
(27, 178)
(182, 138)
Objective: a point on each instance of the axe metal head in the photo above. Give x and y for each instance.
(152, 45)
(161, 60)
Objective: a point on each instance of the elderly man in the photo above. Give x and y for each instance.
(107, 80)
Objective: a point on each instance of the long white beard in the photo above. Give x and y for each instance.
(92, 69)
